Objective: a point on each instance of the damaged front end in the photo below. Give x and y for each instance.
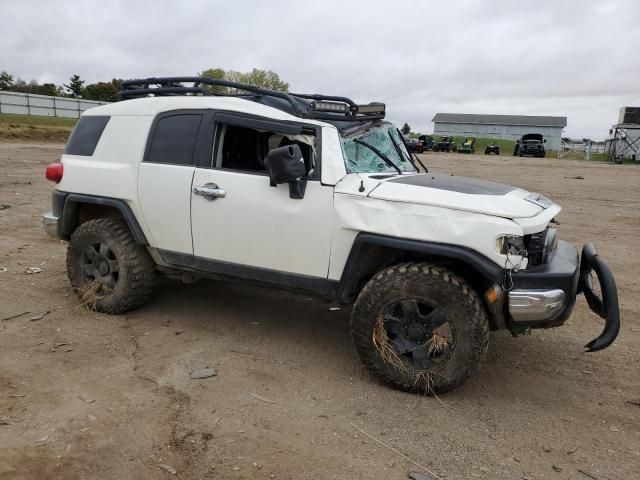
(543, 296)
(607, 305)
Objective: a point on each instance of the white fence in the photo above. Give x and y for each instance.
(29, 104)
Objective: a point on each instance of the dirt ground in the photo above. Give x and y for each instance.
(110, 397)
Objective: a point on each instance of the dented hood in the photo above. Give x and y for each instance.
(458, 193)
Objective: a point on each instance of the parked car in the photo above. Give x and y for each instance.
(427, 141)
(445, 144)
(414, 145)
(530, 144)
(316, 196)
(492, 148)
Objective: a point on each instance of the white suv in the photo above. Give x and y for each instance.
(319, 195)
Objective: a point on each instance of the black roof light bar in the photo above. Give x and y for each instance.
(315, 106)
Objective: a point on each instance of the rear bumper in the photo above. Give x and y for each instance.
(50, 224)
(544, 296)
(51, 220)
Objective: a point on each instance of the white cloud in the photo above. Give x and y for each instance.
(573, 58)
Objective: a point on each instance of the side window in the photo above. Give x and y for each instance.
(86, 135)
(245, 149)
(174, 139)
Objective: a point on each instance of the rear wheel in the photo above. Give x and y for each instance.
(109, 271)
(420, 328)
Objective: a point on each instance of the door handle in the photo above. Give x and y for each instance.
(210, 191)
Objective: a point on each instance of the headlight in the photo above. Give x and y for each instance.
(510, 244)
(541, 246)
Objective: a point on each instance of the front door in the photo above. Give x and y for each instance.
(242, 226)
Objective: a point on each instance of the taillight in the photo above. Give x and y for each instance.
(54, 172)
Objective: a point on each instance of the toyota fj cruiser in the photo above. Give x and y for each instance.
(315, 194)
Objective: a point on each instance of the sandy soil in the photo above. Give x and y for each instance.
(95, 396)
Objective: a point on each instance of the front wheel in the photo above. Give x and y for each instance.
(109, 271)
(420, 328)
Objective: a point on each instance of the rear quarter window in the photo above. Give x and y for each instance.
(174, 139)
(86, 135)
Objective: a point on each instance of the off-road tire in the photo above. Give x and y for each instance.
(452, 295)
(136, 268)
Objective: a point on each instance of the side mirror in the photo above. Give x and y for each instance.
(544, 141)
(286, 165)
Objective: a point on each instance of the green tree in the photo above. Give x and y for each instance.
(103, 91)
(216, 74)
(75, 86)
(6, 81)
(257, 77)
(50, 89)
(23, 87)
(406, 129)
(263, 78)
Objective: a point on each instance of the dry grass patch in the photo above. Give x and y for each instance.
(90, 295)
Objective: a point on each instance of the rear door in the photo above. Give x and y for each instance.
(250, 229)
(165, 176)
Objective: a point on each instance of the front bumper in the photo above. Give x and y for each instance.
(544, 296)
(607, 305)
(531, 151)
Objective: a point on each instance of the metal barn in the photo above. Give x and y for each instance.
(625, 140)
(508, 127)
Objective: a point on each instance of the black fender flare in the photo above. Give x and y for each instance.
(353, 273)
(69, 214)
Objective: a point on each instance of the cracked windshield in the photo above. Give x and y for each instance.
(376, 150)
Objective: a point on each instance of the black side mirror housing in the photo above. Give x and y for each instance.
(286, 165)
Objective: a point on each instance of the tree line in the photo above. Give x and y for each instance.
(107, 91)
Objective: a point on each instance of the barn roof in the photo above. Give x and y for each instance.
(528, 120)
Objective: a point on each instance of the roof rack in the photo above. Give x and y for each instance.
(315, 106)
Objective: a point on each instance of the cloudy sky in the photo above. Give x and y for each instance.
(578, 59)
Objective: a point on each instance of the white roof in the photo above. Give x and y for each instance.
(151, 106)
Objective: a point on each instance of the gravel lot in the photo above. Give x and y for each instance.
(95, 396)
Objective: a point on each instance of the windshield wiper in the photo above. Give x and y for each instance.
(400, 153)
(386, 159)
